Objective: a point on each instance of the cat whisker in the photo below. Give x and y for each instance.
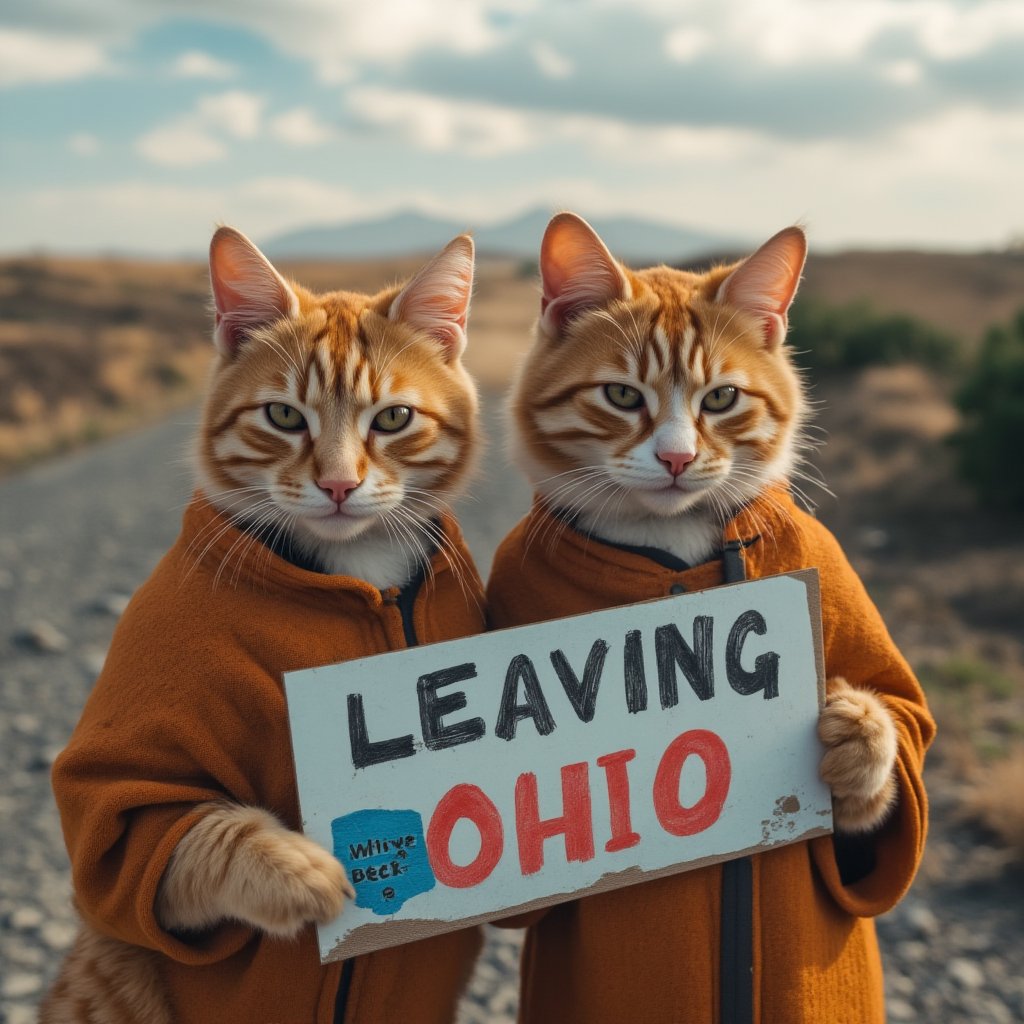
(553, 499)
(246, 539)
(218, 529)
(460, 566)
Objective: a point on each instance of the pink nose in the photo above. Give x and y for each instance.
(676, 462)
(339, 490)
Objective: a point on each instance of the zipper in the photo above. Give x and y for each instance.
(405, 601)
(341, 1002)
(736, 943)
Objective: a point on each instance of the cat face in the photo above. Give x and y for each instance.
(330, 416)
(649, 394)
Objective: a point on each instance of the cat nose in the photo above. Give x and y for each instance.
(339, 490)
(676, 462)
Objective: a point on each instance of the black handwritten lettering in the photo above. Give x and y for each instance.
(535, 706)
(365, 751)
(633, 671)
(436, 734)
(765, 674)
(697, 663)
(583, 695)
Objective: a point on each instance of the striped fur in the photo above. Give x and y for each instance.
(676, 337)
(339, 359)
(104, 981)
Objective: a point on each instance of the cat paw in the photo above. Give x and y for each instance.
(860, 754)
(241, 863)
(284, 881)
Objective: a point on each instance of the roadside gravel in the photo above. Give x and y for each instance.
(79, 534)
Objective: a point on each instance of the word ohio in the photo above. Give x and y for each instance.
(464, 781)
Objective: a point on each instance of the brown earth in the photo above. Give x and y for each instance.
(91, 346)
(88, 347)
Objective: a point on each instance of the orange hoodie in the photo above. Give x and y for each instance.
(783, 936)
(190, 708)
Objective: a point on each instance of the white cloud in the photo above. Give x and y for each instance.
(902, 72)
(235, 113)
(551, 63)
(300, 127)
(198, 137)
(336, 38)
(482, 129)
(791, 32)
(138, 215)
(28, 57)
(381, 31)
(84, 144)
(683, 44)
(438, 124)
(198, 64)
(181, 145)
(951, 31)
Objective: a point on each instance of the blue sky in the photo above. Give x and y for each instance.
(138, 126)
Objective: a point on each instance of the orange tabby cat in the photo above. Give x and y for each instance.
(658, 416)
(336, 429)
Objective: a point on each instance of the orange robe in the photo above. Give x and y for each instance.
(189, 708)
(800, 944)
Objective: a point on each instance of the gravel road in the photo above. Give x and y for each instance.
(79, 534)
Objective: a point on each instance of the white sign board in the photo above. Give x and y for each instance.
(463, 781)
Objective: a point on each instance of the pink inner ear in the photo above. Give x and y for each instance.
(436, 300)
(578, 273)
(765, 283)
(247, 291)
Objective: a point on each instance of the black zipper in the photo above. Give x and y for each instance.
(341, 1002)
(736, 943)
(405, 600)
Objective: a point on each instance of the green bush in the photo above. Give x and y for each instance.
(848, 337)
(991, 440)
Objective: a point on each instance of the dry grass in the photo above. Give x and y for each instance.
(88, 347)
(995, 799)
(92, 346)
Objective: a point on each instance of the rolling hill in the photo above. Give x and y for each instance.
(631, 238)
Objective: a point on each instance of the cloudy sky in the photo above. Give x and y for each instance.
(131, 125)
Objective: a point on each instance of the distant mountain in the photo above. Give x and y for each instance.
(630, 238)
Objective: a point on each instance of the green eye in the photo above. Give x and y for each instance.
(720, 399)
(392, 419)
(284, 417)
(623, 396)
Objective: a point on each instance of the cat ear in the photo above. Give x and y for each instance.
(577, 271)
(765, 283)
(247, 291)
(436, 300)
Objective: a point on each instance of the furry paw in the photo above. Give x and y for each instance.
(241, 863)
(283, 881)
(860, 753)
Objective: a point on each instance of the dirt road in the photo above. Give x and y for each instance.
(78, 535)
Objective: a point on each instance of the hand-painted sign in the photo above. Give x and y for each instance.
(465, 781)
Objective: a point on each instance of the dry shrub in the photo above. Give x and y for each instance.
(995, 799)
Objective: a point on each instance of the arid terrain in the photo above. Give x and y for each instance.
(91, 348)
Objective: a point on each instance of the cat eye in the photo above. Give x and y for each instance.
(392, 419)
(284, 417)
(623, 396)
(720, 399)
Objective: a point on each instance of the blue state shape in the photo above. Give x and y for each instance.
(385, 856)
